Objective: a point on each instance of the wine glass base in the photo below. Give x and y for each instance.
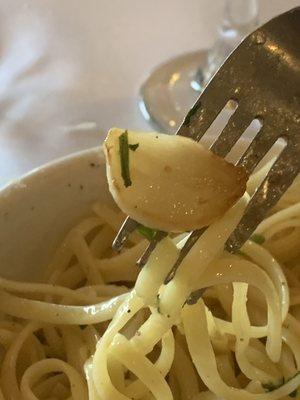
(171, 90)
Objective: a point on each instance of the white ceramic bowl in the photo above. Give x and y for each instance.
(37, 210)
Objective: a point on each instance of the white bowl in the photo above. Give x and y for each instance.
(37, 210)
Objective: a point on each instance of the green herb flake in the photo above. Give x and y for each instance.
(269, 387)
(124, 158)
(295, 392)
(257, 238)
(133, 147)
(148, 233)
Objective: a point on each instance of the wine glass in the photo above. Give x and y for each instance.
(173, 87)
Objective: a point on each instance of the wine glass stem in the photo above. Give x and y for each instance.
(240, 18)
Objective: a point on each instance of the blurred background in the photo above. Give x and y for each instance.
(71, 69)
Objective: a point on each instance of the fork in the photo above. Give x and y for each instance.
(262, 76)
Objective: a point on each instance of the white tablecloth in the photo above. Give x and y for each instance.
(71, 69)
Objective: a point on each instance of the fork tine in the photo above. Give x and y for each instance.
(184, 251)
(242, 77)
(235, 127)
(195, 296)
(204, 111)
(145, 256)
(258, 148)
(194, 126)
(128, 226)
(278, 180)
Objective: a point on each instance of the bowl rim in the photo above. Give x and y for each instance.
(66, 159)
(51, 165)
(56, 163)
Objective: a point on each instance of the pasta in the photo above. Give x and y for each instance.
(96, 327)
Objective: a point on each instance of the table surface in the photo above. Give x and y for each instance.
(70, 69)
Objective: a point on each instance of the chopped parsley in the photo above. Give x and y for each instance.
(269, 387)
(124, 158)
(257, 238)
(133, 147)
(148, 233)
(124, 148)
(294, 393)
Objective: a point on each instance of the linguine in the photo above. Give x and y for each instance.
(97, 328)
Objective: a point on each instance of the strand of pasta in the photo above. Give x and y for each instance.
(64, 254)
(101, 378)
(241, 323)
(85, 258)
(72, 338)
(188, 382)
(293, 342)
(280, 226)
(33, 374)
(285, 248)
(257, 356)
(287, 213)
(45, 386)
(207, 248)
(205, 266)
(265, 260)
(145, 330)
(126, 353)
(88, 370)
(137, 389)
(234, 270)
(9, 383)
(56, 290)
(177, 291)
(59, 314)
(204, 359)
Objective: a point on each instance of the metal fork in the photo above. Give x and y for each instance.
(262, 76)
